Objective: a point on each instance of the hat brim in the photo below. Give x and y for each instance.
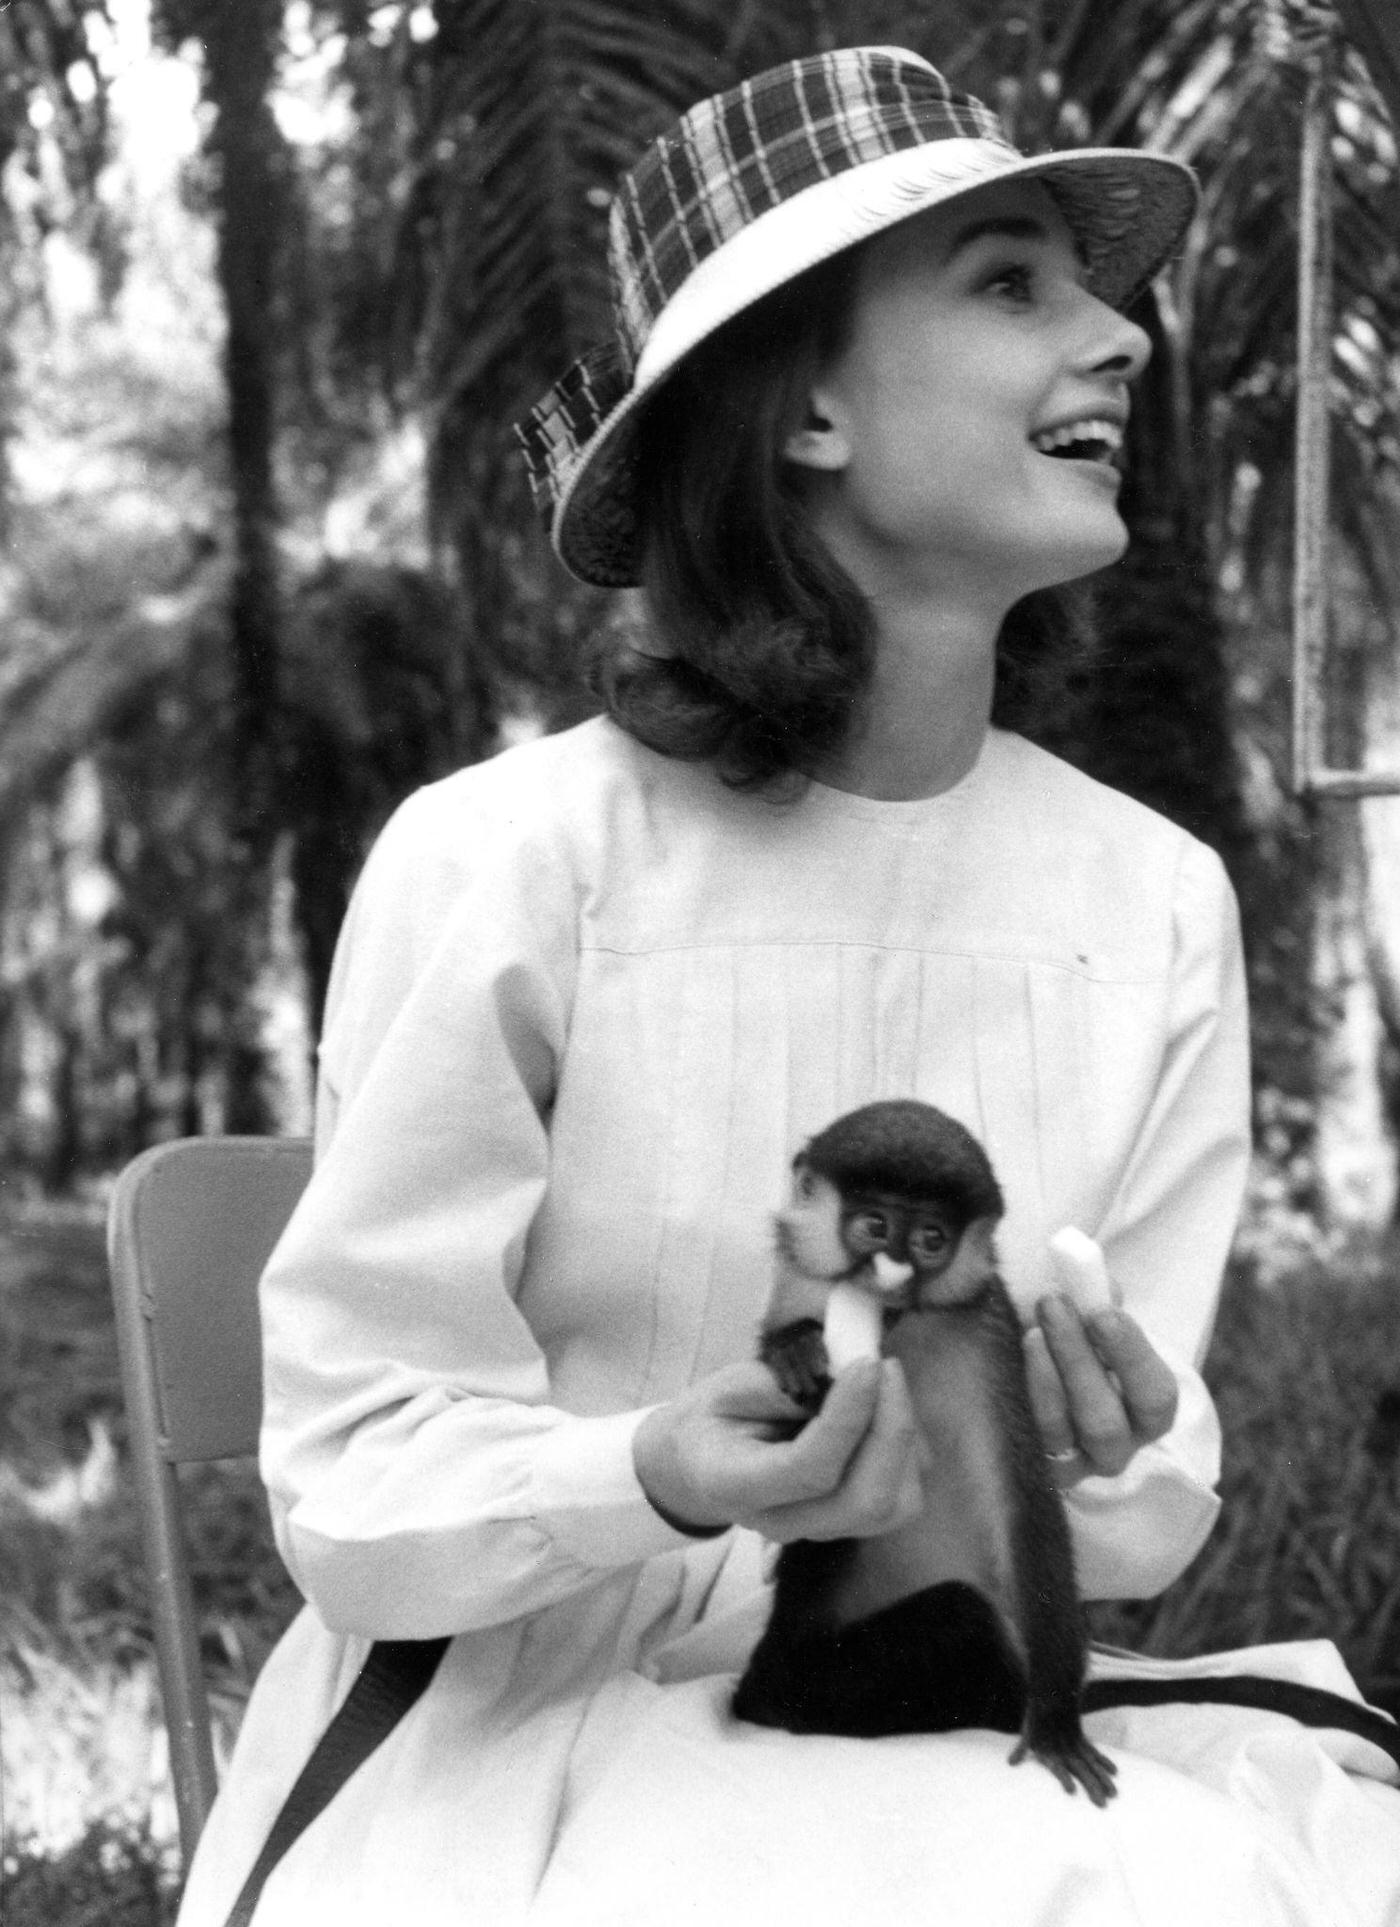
(1128, 212)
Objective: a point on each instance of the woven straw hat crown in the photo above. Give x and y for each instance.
(754, 186)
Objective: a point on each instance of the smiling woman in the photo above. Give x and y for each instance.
(764, 611)
(869, 380)
(974, 334)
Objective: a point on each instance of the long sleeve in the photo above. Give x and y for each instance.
(1166, 1237)
(421, 1482)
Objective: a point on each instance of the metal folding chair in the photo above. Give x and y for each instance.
(190, 1228)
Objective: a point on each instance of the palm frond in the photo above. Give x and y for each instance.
(1221, 85)
(532, 110)
(535, 111)
(1374, 28)
(65, 692)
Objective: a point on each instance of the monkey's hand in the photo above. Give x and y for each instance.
(1073, 1759)
(796, 1356)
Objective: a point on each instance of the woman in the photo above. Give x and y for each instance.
(870, 378)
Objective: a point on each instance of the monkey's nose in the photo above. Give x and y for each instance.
(890, 1277)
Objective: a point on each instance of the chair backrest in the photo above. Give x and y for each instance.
(191, 1226)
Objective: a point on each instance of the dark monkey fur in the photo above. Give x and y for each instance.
(968, 1616)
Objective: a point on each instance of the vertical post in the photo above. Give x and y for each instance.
(1312, 466)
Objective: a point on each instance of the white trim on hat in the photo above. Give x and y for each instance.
(786, 240)
(834, 214)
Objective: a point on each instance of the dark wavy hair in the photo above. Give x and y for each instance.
(760, 647)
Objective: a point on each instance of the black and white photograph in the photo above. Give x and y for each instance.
(700, 963)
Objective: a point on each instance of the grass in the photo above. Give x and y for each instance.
(1305, 1365)
(89, 1813)
(1306, 1374)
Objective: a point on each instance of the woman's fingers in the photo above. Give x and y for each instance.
(878, 1486)
(1100, 1426)
(734, 1450)
(879, 1482)
(1146, 1382)
(704, 1455)
(812, 1465)
(1099, 1389)
(1050, 1406)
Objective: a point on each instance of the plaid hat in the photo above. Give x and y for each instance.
(753, 187)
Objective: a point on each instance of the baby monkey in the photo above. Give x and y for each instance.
(969, 1615)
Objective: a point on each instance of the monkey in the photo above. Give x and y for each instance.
(970, 1614)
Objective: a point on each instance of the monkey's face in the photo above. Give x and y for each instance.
(895, 1246)
(907, 1243)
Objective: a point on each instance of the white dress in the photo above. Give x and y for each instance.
(586, 1006)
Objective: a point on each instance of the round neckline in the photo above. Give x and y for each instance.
(909, 809)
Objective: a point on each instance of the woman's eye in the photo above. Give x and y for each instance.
(1014, 279)
(869, 1229)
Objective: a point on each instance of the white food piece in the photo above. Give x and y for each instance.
(1082, 1273)
(852, 1327)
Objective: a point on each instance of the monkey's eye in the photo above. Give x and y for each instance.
(806, 1182)
(929, 1243)
(868, 1230)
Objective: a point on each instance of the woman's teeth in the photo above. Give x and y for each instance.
(1097, 440)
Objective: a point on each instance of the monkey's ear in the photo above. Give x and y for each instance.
(804, 1178)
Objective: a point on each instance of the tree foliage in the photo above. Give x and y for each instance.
(47, 78)
(46, 55)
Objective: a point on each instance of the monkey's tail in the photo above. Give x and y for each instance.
(1309, 1705)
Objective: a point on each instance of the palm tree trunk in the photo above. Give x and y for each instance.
(241, 44)
(11, 302)
(240, 53)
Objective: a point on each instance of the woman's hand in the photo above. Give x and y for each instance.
(725, 1452)
(1099, 1389)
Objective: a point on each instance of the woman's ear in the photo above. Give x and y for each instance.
(820, 441)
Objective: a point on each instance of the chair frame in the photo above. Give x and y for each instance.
(190, 1226)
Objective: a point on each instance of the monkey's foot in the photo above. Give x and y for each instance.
(796, 1356)
(1074, 1761)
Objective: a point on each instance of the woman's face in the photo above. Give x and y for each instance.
(973, 343)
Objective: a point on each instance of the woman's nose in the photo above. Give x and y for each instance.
(1112, 344)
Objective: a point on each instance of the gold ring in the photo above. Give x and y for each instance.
(1063, 1458)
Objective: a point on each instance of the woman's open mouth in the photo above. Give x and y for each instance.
(1094, 439)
